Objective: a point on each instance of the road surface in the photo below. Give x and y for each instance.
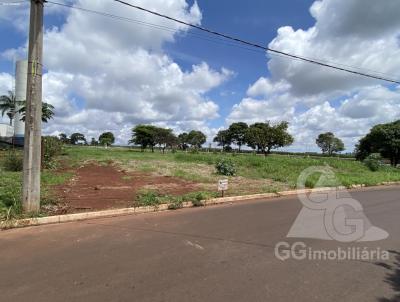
(218, 253)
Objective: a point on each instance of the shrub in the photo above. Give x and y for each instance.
(373, 161)
(14, 161)
(228, 149)
(194, 151)
(225, 167)
(148, 198)
(10, 195)
(52, 147)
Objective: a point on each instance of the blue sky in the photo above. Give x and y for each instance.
(256, 22)
(108, 75)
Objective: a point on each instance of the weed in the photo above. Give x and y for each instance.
(177, 203)
(226, 167)
(147, 198)
(13, 161)
(126, 177)
(373, 162)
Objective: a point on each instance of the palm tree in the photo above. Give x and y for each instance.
(8, 105)
(47, 112)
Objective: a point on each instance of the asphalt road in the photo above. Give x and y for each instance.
(219, 253)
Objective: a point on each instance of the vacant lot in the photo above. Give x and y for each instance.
(93, 178)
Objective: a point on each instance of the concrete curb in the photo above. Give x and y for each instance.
(163, 207)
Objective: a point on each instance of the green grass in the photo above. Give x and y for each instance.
(153, 198)
(280, 168)
(286, 169)
(283, 170)
(11, 189)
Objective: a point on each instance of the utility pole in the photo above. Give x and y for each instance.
(33, 116)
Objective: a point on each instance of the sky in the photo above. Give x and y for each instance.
(103, 74)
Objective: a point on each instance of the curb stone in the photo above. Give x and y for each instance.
(163, 207)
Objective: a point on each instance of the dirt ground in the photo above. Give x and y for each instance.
(100, 187)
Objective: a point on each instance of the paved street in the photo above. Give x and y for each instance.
(219, 253)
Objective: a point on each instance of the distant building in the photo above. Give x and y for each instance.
(6, 133)
(15, 133)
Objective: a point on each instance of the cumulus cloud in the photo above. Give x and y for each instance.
(362, 33)
(105, 74)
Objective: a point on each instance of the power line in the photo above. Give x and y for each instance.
(257, 45)
(218, 40)
(208, 38)
(157, 26)
(222, 39)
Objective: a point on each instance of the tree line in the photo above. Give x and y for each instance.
(383, 139)
(105, 139)
(150, 136)
(262, 137)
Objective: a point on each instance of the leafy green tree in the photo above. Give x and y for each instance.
(329, 144)
(8, 105)
(64, 138)
(183, 141)
(223, 138)
(165, 138)
(196, 139)
(47, 111)
(144, 136)
(106, 139)
(77, 138)
(383, 139)
(237, 133)
(266, 137)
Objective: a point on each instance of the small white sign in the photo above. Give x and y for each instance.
(222, 185)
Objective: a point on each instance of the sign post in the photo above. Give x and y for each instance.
(222, 186)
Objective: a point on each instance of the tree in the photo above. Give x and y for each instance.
(329, 144)
(8, 105)
(196, 139)
(223, 138)
(106, 139)
(64, 138)
(93, 142)
(383, 139)
(265, 137)
(165, 138)
(77, 138)
(47, 111)
(183, 140)
(145, 136)
(237, 133)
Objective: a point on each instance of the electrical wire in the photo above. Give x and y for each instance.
(289, 55)
(229, 41)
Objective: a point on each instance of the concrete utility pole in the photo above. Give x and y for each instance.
(33, 117)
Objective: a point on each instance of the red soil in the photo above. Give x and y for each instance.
(96, 187)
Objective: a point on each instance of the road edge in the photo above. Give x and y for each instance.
(36, 221)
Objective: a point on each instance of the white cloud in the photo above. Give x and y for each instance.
(265, 87)
(362, 33)
(106, 74)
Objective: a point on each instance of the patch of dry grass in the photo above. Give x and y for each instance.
(203, 174)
